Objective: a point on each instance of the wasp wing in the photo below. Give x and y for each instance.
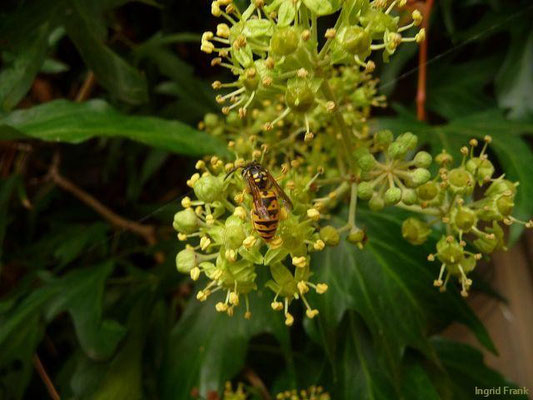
(259, 207)
(286, 201)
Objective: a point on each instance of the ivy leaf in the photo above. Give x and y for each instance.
(207, 348)
(17, 76)
(360, 369)
(70, 122)
(514, 83)
(16, 367)
(76, 239)
(121, 79)
(389, 284)
(122, 377)
(457, 90)
(82, 296)
(467, 371)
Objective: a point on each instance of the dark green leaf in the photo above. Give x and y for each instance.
(467, 371)
(390, 285)
(360, 370)
(122, 377)
(70, 122)
(17, 76)
(417, 384)
(82, 296)
(122, 80)
(207, 348)
(198, 95)
(514, 83)
(16, 367)
(457, 90)
(77, 239)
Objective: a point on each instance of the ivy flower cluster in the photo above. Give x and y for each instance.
(299, 105)
(311, 393)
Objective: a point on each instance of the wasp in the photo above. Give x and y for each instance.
(265, 193)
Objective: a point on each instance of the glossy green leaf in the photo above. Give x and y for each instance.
(70, 122)
(360, 373)
(122, 80)
(467, 371)
(206, 348)
(389, 284)
(23, 65)
(197, 95)
(16, 356)
(458, 90)
(514, 83)
(77, 239)
(123, 378)
(82, 296)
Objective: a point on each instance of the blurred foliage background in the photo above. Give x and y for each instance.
(99, 103)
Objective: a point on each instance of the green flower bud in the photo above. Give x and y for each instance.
(415, 231)
(250, 79)
(464, 219)
(461, 181)
(397, 150)
(209, 269)
(404, 143)
(422, 159)
(443, 158)
(428, 191)
(365, 160)
(208, 188)
(299, 95)
(330, 235)
(285, 41)
(409, 196)
(356, 41)
(449, 251)
(211, 120)
(408, 139)
(505, 205)
(418, 177)
(185, 221)
(357, 236)
(392, 196)
(377, 22)
(482, 169)
(499, 187)
(234, 233)
(294, 234)
(493, 241)
(468, 264)
(376, 203)
(365, 190)
(186, 260)
(383, 138)
(241, 271)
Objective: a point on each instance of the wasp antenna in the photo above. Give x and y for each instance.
(231, 173)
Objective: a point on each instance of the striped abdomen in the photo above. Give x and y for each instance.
(266, 227)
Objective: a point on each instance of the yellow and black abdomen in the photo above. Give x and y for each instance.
(266, 227)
